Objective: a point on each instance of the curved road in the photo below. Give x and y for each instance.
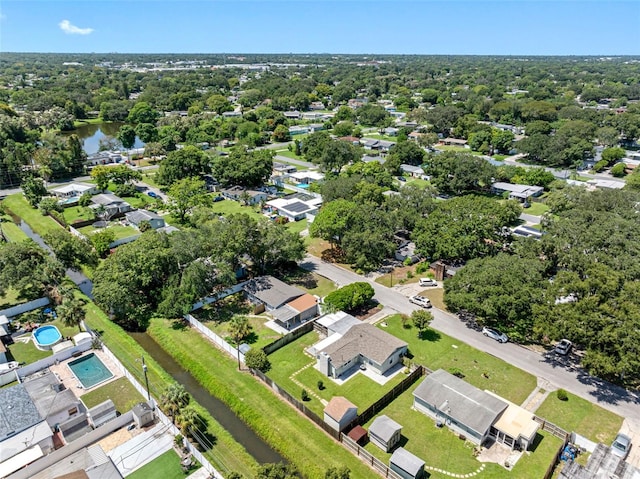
(558, 371)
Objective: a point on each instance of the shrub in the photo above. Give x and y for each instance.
(47, 205)
(304, 395)
(562, 395)
(85, 200)
(409, 274)
(599, 166)
(618, 170)
(320, 385)
(126, 189)
(349, 297)
(422, 267)
(257, 359)
(178, 440)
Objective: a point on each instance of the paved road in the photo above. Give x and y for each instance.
(530, 218)
(295, 161)
(552, 368)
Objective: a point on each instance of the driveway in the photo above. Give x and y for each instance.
(551, 368)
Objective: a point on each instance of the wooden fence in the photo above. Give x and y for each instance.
(288, 338)
(552, 428)
(369, 459)
(552, 467)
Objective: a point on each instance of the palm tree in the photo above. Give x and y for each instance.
(71, 312)
(173, 399)
(239, 328)
(187, 420)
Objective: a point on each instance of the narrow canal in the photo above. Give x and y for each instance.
(260, 450)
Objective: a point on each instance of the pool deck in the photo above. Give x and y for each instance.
(69, 380)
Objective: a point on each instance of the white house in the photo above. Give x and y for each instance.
(111, 203)
(516, 192)
(74, 190)
(237, 193)
(295, 207)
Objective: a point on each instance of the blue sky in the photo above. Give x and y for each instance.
(507, 27)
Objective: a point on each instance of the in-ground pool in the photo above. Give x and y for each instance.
(69, 201)
(89, 370)
(303, 185)
(45, 337)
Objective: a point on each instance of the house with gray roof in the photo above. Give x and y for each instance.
(516, 192)
(25, 436)
(385, 433)
(111, 203)
(270, 291)
(457, 404)
(406, 464)
(137, 217)
(54, 402)
(362, 345)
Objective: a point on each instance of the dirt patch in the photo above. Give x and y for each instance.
(367, 310)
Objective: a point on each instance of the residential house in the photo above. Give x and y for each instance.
(407, 124)
(369, 159)
(442, 270)
(293, 208)
(477, 415)
(104, 158)
(74, 190)
(112, 204)
(296, 312)
(601, 464)
(453, 142)
(406, 464)
(298, 130)
(3, 350)
(357, 102)
(390, 131)
(354, 140)
(413, 171)
(316, 116)
(283, 169)
(232, 114)
(385, 433)
(606, 184)
(362, 345)
(292, 115)
(313, 127)
(521, 193)
(406, 251)
(414, 135)
(239, 193)
(316, 105)
(25, 436)
(137, 217)
(339, 413)
(382, 146)
(270, 292)
(307, 177)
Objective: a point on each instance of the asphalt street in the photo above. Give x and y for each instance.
(552, 368)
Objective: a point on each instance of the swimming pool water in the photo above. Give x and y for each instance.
(47, 335)
(89, 370)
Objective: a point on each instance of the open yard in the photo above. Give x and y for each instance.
(436, 350)
(77, 213)
(297, 438)
(166, 466)
(579, 415)
(297, 226)
(10, 298)
(120, 391)
(118, 230)
(359, 389)
(536, 209)
(312, 283)
(259, 337)
(28, 353)
(19, 207)
(10, 230)
(442, 449)
(228, 207)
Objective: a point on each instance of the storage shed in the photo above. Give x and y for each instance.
(142, 414)
(406, 464)
(385, 433)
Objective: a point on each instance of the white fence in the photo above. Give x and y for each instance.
(121, 241)
(164, 419)
(77, 233)
(53, 359)
(214, 338)
(24, 307)
(236, 288)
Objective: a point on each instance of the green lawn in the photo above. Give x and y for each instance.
(165, 466)
(536, 209)
(118, 230)
(26, 353)
(297, 226)
(359, 389)
(227, 454)
(259, 337)
(312, 283)
(579, 415)
(228, 207)
(140, 201)
(38, 223)
(438, 350)
(120, 391)
(294, 436)
(290, 154)
(11, 231)
(419, 182)
(10, 298)
(80, 213)
(378, 136)
(442, 449)
(150, 179)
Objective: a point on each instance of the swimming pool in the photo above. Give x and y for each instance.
(45, 337)
(69, 201)
(89, 370)
(304, 186)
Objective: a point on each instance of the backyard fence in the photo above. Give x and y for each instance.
(213, 337)
(297, 404)
(121, 241)
(549, 473)
(236, 288)
(552, 428)
(77, 233)
(289, 337)
(24, 307)
(369, 459)
(51, 360)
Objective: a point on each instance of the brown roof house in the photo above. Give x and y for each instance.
(340, 412)
(362, 345)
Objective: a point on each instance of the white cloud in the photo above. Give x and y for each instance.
(67, 27)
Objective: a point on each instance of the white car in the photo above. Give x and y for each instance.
(420, 301)
(494, 334)
(563, 347)
(427, 282)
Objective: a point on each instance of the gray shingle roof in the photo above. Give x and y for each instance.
(18, 412)
(106, 199)
(142, 215)
(406, 461)
(271, 291)
(384, 427)
(460, 400)
(366, 340)
(49, 395)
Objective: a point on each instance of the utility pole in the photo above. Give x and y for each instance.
(146, 378)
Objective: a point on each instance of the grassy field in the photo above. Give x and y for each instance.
(10, 298)
(74, 213)
(289, 154)
(259, 337)
(297, 226)
(150, 179)
(10, 230)
(294, 436)
(166, 466)
(437, 350)
(227, 454)
(312, 283)
(359, 389)
(536, 209)
(118, 230)
(579, 415)
(442, 449)
(120, 391)
(26, 353)
(228, 207)
(19, 207)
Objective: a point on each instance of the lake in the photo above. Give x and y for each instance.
(91, 134)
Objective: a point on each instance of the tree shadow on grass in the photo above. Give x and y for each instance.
(430, 335)
(250, 338)
(202, 436)
(179, 325)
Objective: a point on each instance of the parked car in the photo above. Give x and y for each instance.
(563, 347)
(621, 445)
(420, 301)
(152, 194)
(495, 334)
(218, 198)
(402, 178)
(427, 282)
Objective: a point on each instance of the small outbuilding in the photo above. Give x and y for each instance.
(385, 433)
(142, 414)
(359, 435)
(340, 412)
(102, 413)
(406, 464)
